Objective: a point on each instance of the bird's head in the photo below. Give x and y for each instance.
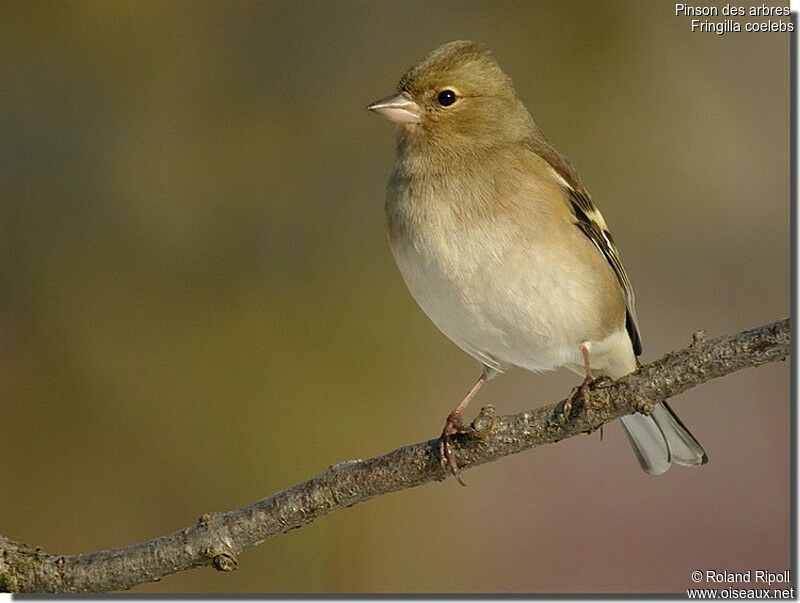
(456, 97)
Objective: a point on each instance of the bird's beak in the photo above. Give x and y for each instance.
(397, 108)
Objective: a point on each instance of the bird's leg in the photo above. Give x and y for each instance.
(453, 425)
(587, 377)
(583, 388)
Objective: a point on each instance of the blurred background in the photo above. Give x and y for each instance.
(199, 306)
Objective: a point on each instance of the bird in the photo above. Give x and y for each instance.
(501, 245)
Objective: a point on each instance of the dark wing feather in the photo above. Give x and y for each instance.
(591, 222)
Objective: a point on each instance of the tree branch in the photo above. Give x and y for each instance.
(216, 539)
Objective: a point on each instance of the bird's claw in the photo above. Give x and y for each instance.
(584, 392)
(447, 459)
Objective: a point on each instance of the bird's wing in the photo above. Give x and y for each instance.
(589, 219)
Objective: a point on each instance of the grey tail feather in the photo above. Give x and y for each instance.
(660, 439)
(648, 443)
(686, 450)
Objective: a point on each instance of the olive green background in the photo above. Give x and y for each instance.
(199, 306)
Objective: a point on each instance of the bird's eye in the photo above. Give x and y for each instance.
(446, 98)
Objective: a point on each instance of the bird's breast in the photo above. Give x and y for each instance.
(498, 278)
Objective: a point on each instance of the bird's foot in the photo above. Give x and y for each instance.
(584, 393)
(581, 392)
(452, 426)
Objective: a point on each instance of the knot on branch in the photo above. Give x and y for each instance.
(221, 558)
(225, 562)
(485, 422)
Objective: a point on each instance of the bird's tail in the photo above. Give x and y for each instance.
(661, 439)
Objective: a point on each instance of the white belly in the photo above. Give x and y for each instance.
(502, 303)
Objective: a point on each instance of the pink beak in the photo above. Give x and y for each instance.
(397, 108)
